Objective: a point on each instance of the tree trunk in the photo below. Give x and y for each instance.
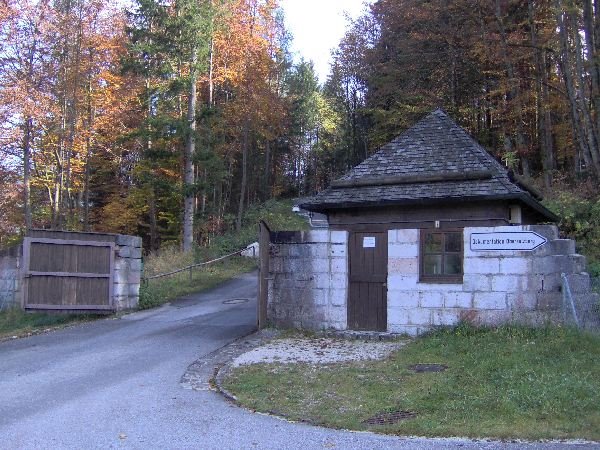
(245, 143)
(153, 224)
(592, 134)
(211, 82)
(566, 69)
(591, 42)
(86, 185)
(267, 174)
(204, 199)
(27, 143)
(56, 201)
(513, 95)
(583, 136)
(72, 113)
(188, 161)
(27, 171)
(88, 154)
(545, 120)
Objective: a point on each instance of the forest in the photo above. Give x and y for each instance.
(170, 118)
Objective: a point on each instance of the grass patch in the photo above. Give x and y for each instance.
(277, 213)
(509, 382)
(159, 291)
(16, 322)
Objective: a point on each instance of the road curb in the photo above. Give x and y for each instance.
(237, 348)
(220, 374)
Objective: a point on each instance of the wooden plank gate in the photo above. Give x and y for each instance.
(68, 274)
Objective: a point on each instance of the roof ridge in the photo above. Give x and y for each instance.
(481, 155)
(435, 160)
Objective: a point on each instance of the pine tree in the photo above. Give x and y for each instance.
(169, 47)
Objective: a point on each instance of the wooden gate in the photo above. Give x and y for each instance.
(367, 298)
(68, 275)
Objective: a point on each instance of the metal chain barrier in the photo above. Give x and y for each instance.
(192, 267)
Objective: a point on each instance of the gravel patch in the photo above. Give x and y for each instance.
(317, 351)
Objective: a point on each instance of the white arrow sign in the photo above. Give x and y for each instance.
(506, 240)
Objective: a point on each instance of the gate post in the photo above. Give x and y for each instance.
(24, 276)
(264, 242)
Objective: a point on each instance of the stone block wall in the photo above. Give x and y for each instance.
(308, 283)
(10, 280)
(498, 286)
(127, 272)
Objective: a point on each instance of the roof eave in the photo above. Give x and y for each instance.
(523, 197)
(538, 207)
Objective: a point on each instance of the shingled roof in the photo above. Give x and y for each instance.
(435, 161)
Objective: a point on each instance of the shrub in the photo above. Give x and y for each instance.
(580, 220)
(276, 213)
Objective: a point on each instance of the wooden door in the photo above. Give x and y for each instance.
(367, 298)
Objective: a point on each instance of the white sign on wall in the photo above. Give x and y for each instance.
(507, 240)
(369, 242)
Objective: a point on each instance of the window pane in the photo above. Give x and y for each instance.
(432, 265)
(453, 242)
(453, 264)
(433, 243)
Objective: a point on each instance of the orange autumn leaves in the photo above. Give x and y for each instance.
(68, 107)
(62, 98)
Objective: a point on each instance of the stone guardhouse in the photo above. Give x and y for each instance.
(430, 230)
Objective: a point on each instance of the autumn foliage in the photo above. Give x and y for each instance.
(171, 118)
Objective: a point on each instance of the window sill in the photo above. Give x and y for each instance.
(441, 280)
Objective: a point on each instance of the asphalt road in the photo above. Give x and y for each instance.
(119, 383)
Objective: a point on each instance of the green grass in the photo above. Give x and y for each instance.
(510, 382)
(159, 291)
(277, 213)
(16, 322)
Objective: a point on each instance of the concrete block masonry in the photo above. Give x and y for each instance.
(309, 283)
(462, 300)
(431, 300)
(445, 317)
(489, 300)
(128, 272)
(498, 286)
(475, 265)
(10, 279)
(313, 268)
(404, 299)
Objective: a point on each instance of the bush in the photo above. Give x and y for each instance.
(168, 258)
(580, 220)
(276, 213)
(149, 297)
